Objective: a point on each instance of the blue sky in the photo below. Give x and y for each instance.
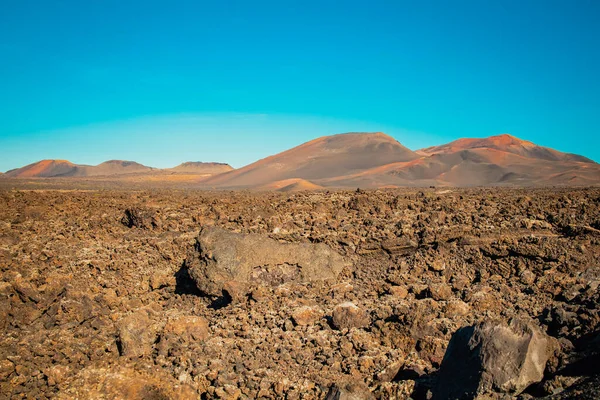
(162, 82)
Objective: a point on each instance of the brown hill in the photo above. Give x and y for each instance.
(120, 170)
(291, 185)
(114, 167)
(500, 160)
(44, 168)
(64, 168)
(322, 158)
(367, 160)
(506, 143)
(202, 167)
(376, 160)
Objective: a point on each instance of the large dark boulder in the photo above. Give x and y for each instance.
(492, 357)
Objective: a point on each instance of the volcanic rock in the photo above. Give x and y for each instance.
(306, 315)
(71, 275)
(137, 334)
(187, 327)
(348, 315)
(349, 391)
(127, 384)
(227, 261)
(143, 219)
(492, 357)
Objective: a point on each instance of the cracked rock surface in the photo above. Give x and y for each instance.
(233, 262)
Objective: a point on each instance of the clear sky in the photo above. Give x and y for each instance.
(162, 82)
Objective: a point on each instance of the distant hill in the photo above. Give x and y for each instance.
(375, 160)
(291, 185)
(322, 158)
(64, 168)
(505, 143)
(44, 169)
(115, 167)
(119, 170)
(350, 160)
(202, 167)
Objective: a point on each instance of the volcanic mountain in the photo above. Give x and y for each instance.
(64, 168)
(198, 167)
(44, 169)
(377, 160)
(495, 161)
(366, 160)
(322, 158)
(505, 143)
(118, 170)
(115, 167)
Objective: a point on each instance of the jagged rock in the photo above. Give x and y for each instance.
(69, 276)
(143, 219)
(395, 390)
(137, 334)
(6, 369)
(187, 327)
(349, 391)
(437, 265)
(440, 291)
(127, 384)
(57, 374)
(492, 357)
(400, 245)
(158, 281)
(348, 315)
(222, 258)
(306, 315)
(456, 308)
(399, 291)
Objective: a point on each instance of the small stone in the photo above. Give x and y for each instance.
(440, 291)
(306, 315)
(456, 308)
(399, 291)
(137, 334)
(56, 374)
(159, 281)
(437, 266)
(348, 315)
(390, 372)
(187, 327)
(395, 390)
(349, 391)
(6, 369)
(527, 277)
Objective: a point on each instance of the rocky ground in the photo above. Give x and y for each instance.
(337, 294)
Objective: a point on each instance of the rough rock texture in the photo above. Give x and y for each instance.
(492, 356)
(71, 275)
(137, 334)
(135, 217)
(348, 315)
(187, 328)
(349, 391)
(307, 315)
(232, 262)
(125, 383)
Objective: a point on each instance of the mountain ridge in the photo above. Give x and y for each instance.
(50, 168)
(360, 159)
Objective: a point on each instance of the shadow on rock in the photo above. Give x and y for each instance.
(184, 284)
